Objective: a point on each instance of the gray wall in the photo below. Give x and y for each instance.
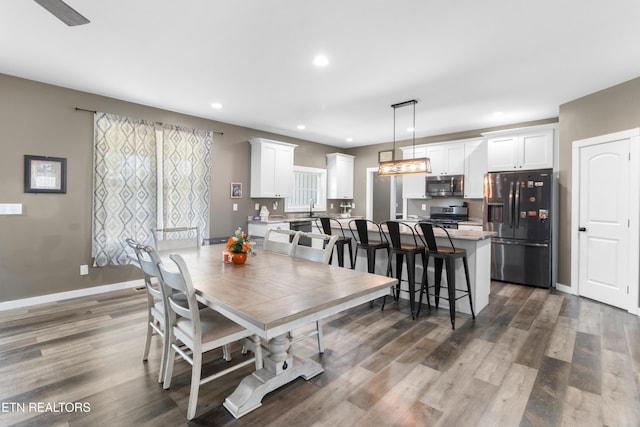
(41, 251)
(610, 110)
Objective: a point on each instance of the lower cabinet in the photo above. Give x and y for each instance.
(259, 229)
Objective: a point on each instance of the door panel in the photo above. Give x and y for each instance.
(604, 217)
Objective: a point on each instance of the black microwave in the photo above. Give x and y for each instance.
(445, 186)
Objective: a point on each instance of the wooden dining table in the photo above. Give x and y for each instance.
(271, 295)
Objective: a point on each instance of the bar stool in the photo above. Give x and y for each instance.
(360, 230)
(402, 250)
(343, 240)
(447, 256)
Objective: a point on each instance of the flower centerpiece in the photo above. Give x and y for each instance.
(239, 245)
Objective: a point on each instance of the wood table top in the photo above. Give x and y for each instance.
(273, 290)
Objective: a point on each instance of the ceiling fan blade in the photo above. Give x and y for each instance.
(63, 12)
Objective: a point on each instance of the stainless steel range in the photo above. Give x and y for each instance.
(448, 217)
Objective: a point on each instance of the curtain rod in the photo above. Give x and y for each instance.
(94, 112)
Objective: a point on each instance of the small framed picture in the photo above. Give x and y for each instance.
(236, 190)
(385, 156)
(44, 174)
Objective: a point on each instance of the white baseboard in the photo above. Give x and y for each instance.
(61, 296)
(565, 288)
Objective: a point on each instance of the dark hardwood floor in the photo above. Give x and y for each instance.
(533, 357)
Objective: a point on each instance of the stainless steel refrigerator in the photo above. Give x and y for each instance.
(517, 206)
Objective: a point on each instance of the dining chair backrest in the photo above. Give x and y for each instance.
(424, 230)
(392, 234)
(279, 240)
(148, 260)
(176, 238)
(360, 230)
(320, 251)
(176, 284)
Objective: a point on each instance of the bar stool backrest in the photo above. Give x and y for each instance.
(361, 232)
(325, 225)
(425, 232)
(393, 231)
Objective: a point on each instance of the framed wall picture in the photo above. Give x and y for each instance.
(44, 174)
(236, 190)
(385, 156)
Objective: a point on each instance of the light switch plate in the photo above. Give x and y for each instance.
(235, 206)
(10, 208)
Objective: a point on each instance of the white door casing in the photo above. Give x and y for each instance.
(605, 213)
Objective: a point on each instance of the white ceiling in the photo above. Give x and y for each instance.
(462, 60)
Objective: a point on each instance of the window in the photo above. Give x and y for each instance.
(308, 184)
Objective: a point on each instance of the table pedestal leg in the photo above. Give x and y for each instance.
(280, 368)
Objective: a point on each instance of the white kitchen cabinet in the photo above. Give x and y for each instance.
(475, 166)
(340, 176)
(271, 168)
(447, 158)
(524, 149)
(259, 229)
(413, 185)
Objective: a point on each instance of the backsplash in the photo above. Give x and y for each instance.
(414, 206)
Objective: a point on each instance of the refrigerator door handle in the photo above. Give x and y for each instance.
(519, 243)
(511, 204)
(516, 192)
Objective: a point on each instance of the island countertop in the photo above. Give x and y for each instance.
(454, 233)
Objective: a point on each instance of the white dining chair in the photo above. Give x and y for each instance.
(156, 313)
(279, 240)
(197, 330)
(176, 238)
(320, 251)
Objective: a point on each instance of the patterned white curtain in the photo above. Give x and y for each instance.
(124, 187)
(186, 177)
(127, 163)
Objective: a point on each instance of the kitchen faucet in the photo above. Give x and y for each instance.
(311, 207)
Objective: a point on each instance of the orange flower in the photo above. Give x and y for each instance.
(239, 242)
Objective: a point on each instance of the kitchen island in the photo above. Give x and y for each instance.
(478, 247)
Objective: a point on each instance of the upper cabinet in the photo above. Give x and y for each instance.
(271, 168)
(447, 158)
(520, 149)
(475, 166)
(413, 185)
(340, 176)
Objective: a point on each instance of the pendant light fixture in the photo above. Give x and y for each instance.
(407, 166)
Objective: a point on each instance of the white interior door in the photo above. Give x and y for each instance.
(605, 213)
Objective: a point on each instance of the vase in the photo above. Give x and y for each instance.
(239, 257)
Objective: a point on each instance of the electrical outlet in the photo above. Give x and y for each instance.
(353, 205)
(84, 270)
(256, 206)
(235, 206)
(424, 206)
(331, 206)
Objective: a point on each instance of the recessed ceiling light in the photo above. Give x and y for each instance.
(410, 129)
(349, 139)
(321, 61)
(498, 114)
(216, 105)
(302, 127)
